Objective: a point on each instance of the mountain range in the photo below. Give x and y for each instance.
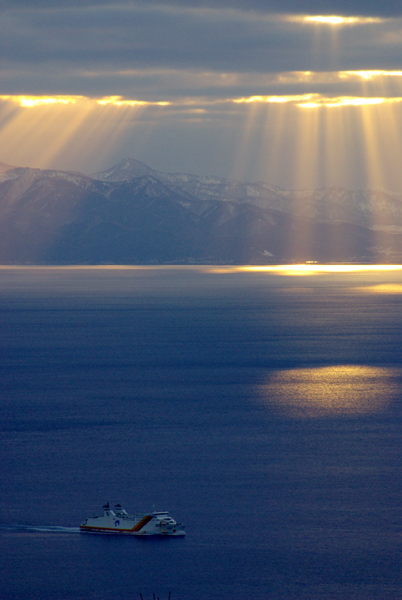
(133, 214)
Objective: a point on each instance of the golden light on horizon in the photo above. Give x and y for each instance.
(345, 101)
(34, 101)
(319, 100)
(317, 269)
(334, 19)
(330, 391)
(369, 74)
(304, 269)
(331, 20)
(306, 100)
(119, 101)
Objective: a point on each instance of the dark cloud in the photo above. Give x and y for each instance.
(108, 50)
(385, 8)
(197, 55)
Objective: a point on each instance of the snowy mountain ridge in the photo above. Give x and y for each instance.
(134, 214)
(369, 208)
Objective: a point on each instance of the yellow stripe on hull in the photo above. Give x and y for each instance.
(142, 523)
(136, 529)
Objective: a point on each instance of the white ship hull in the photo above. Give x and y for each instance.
(119, 521)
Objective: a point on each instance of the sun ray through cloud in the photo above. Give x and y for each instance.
(308, 116)
(52, 123)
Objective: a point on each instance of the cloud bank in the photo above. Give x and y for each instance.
(226, 79)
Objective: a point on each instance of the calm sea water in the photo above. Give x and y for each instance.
(262, 410)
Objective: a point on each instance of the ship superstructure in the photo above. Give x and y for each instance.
(119, 521)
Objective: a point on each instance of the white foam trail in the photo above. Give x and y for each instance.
(41, 528)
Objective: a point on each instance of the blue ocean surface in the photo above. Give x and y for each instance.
(262, 409)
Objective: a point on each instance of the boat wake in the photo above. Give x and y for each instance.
(40, 528)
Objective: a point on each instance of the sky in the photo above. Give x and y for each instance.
(299, 94)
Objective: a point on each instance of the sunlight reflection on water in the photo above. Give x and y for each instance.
(338, 390)
(385, 288)
(303, 269)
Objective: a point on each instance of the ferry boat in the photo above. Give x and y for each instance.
(119, 521)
